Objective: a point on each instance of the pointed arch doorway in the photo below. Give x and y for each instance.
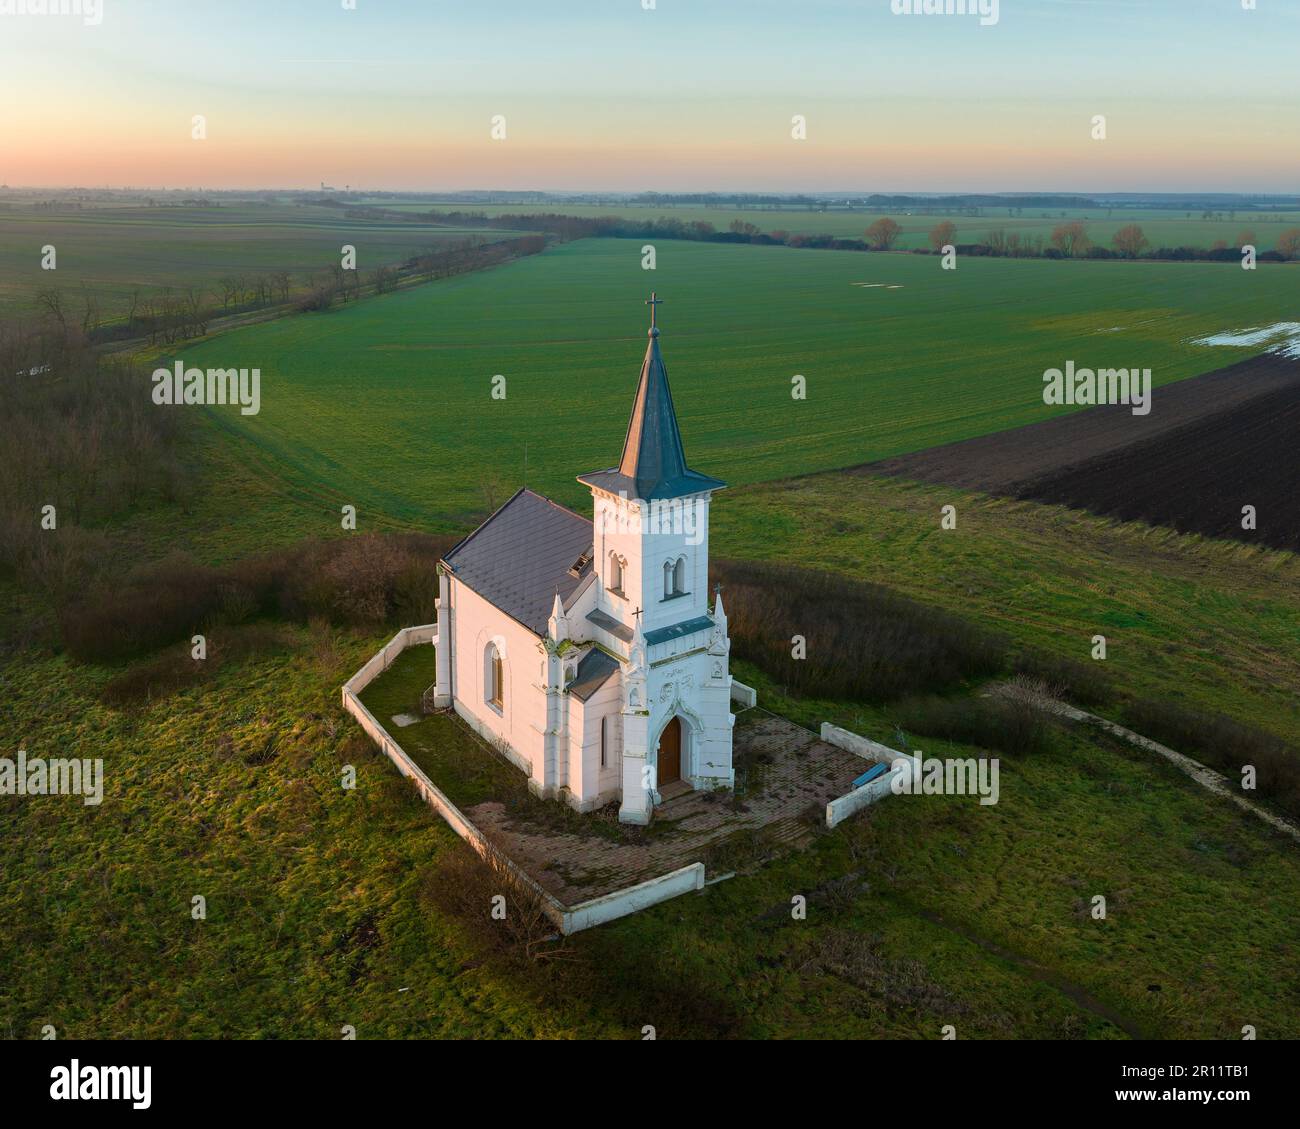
(670, 754)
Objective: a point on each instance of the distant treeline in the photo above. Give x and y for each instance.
(1069, 240)
(170, 315)
(960, 203)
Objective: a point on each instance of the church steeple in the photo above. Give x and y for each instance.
(653, 465)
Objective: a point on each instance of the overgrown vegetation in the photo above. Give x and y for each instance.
(1082, 683)
(178, 668)
(1223, 744)
(81, 435)
(367, 580)
(504, 912)
(1008, 724)
(860, 641)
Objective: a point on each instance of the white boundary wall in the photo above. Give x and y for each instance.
(840, 808)
(622, 902)
(568, 919)
(743, 695)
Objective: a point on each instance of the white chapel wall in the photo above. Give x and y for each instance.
(522, 718)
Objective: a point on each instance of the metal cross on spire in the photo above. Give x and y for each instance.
(653, 301)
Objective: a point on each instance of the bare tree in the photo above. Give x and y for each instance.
(50, 299)
(90, 318)
(1071, 238)
(1130, 240)
(883, 234)
(942, 234)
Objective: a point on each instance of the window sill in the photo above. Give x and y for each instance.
(497, 708)
(617, 592)
(674, 596)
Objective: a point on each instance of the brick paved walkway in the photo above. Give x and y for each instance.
(782, 772)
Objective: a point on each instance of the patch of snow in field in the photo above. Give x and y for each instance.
(1284, 336)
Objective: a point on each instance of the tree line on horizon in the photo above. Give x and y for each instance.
(170, 315)
(1068, 240)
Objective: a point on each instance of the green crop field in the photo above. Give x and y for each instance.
(388, 403)
(319, 913)
(321, 906)
(112, 249)
(1163, 227)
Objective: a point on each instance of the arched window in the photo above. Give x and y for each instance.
(674, 578)
(493, 677)
(615, 573)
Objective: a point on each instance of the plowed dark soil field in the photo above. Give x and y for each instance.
(1210, 446)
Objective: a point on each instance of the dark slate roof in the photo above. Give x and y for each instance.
(522, 555)
(593, 672)
(689, 627)
(610, 624)
(654, 463)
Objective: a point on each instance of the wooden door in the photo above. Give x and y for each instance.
(670, 753)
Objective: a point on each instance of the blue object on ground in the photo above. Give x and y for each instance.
(870, 775)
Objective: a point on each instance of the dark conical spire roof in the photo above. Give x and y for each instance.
(653, 465)
(652, 451)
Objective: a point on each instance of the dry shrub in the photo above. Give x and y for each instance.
(175, 670)
(368, 580)
(1008, 724)
(1224, 744)
(464, 883)
(1082, 683)
(864, 642)
(154, 606)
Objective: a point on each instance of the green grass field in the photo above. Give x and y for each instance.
(111, 250)
(1212, 624)
(318, 906)
(926, 912)
(388, 403)
(1164, 228)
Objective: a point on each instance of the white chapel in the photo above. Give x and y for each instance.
(586, 650)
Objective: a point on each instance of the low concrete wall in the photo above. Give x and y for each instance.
(436, 799)
(382, 660)
(622, 902)
(567, 919)
(902, 765)
(862, 746)
(742, 694)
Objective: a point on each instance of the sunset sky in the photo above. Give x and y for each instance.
(695, 95)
